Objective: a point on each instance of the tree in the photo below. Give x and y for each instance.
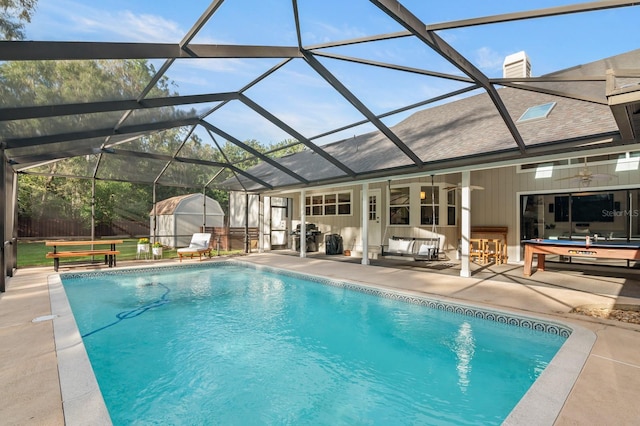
(117, 195)
(286, 147)
(58, 82)
(13, 15)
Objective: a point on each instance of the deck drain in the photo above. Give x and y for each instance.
(44, 318)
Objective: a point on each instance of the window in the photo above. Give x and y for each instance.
(330, 204)
(584, 208)
(429, 207)
(538, 111)
(344, 203)
(399, 204)
(623, 162)
(279, 202)
(373, 208)
(421, 204)
(628, 162)
(451, 208)
(316, 205)
(544, 171)
(548, 163)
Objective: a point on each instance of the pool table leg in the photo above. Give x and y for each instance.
(528, 261)
(540, 266)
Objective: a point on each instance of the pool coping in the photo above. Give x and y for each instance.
(83, 402)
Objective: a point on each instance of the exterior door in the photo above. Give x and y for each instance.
(375, 210)
(279, 215)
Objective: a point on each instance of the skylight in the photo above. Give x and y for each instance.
(536, 112)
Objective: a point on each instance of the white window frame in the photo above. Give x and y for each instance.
(426, 202)
(577, 162)
(454, 205)
(321, 203)
(415, 205)
(408, 206)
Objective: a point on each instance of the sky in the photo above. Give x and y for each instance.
(296, 94)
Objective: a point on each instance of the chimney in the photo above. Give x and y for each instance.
(516, 66)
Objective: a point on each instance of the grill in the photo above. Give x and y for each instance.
(333, 244)
(313, 237)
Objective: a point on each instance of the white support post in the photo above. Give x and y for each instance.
(4, 215)
(93, 210)
(247, 248)
(303, 224)
(155, 215)
(364, 205)
(465, 269)
(261, 222)
(204, 209)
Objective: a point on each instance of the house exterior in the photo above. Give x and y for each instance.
(570, 177)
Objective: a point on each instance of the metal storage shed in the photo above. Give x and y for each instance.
(178, 218)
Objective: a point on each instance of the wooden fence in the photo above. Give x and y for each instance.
(69, 228)
(228, 238)
(233, 238)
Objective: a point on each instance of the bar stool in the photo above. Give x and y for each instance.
(504, 257)
(493, 251)
(477, 250)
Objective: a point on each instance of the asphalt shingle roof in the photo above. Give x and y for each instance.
(470, 127)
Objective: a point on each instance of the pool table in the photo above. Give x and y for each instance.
(601, 249)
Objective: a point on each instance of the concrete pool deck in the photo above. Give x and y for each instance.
(605, 392)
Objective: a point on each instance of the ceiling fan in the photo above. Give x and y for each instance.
(585, 176)
(459, 186)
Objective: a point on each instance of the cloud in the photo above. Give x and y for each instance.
(488, 60)
(127, 26)
(148, 27)
(323, 32)
(71, 20)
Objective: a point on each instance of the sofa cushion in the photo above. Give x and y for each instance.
(400, 246)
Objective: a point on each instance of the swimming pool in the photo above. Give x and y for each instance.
(251, 335)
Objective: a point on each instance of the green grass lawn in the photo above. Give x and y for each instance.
(31, 253)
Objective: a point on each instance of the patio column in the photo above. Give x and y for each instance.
(14, 220)
(204, 209)
(303, 224)
(155, 213)
(93, 209)
(364, 206)
(4, 177)
(465, 226)
(247, 249)
(261, 222)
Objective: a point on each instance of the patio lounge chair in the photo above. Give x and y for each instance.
(200, 245)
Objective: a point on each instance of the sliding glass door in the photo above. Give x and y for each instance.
(602, 215)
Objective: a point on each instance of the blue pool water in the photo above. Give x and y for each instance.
(229, 344)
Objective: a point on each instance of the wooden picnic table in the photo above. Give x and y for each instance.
(109, 253)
